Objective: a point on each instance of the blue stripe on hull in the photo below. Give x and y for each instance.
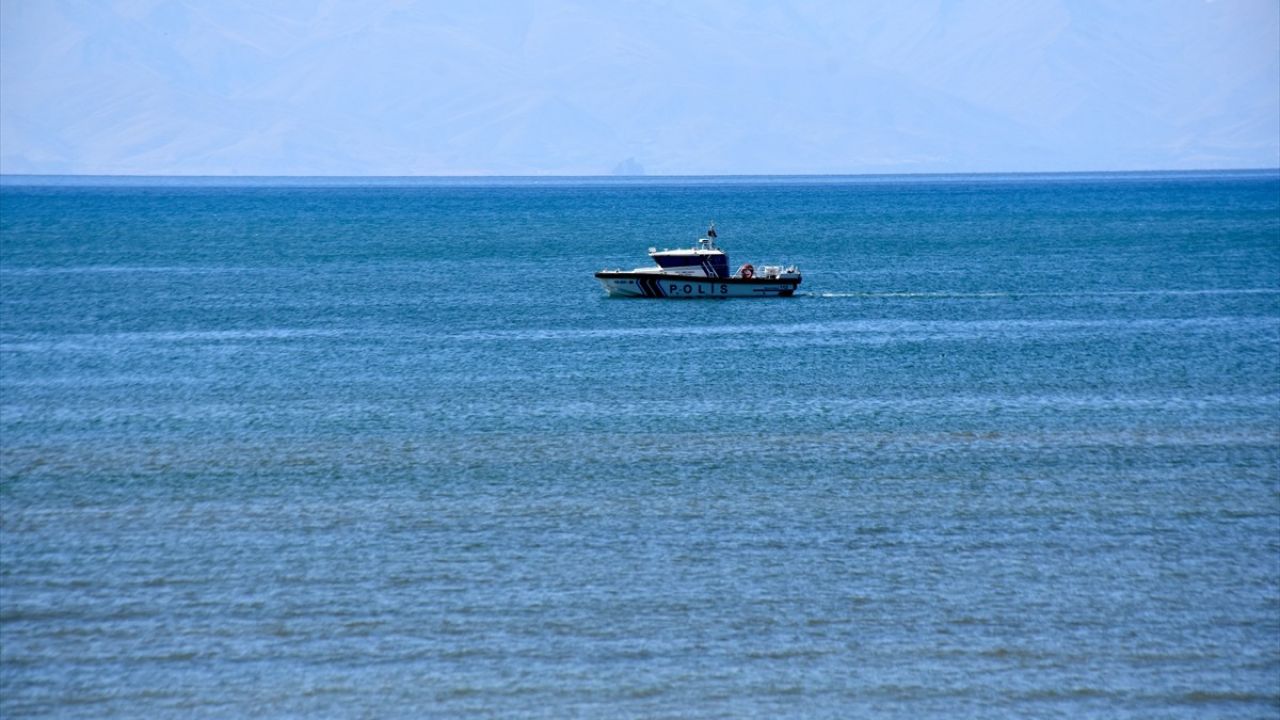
(650, 287)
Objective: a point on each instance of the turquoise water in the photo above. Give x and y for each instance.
(384, 448)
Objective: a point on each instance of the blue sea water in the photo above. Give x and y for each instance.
(383, 448)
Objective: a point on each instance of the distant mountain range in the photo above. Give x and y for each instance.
(390, 88)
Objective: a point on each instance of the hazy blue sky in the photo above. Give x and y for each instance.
(392, 87)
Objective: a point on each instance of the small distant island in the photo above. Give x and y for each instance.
(628, 167)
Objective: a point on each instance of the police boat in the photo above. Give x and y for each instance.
(699, 272)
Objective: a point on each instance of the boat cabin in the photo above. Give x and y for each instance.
(705, 260)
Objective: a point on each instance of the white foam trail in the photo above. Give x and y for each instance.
(1081, 294)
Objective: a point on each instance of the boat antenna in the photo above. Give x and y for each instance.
(711, 231)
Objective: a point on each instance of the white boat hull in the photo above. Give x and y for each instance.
(666, 285)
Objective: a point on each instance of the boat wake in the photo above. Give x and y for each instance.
(1081, 294)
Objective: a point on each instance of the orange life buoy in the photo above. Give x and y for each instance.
(748, 271)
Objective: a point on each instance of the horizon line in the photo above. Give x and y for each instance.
(8, 178)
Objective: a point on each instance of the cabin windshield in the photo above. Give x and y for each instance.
(712, 264)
